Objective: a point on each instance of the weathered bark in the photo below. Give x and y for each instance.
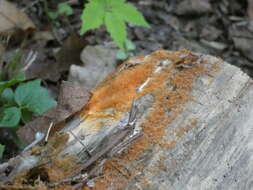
(193, 111)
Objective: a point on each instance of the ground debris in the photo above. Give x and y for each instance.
(71, 99)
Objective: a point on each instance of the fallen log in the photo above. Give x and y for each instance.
(168, 120)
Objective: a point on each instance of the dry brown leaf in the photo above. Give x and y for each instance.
(70, 52)
(98, 62)
(50, 69)
(11, 18)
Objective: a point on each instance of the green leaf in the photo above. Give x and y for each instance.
(130, 14)
(10, 117)
(52, 15)
(116, 27)
(32, 96)
(42, 103)
(2, 147)
(130, 45)
(121, 55)
(26, 115)
(114, 3)
(5, 84)
(65, 8)
(25, 92)
(7, 95)
(93, 15)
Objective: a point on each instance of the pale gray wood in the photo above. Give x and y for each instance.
(216, 154)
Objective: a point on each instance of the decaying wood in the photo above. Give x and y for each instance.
(194, 112)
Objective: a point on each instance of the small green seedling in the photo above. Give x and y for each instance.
(64, 9)
(113, 14)
(12, 68)
(127, 52)
(20, 101)
(1, 150)
(27, 100)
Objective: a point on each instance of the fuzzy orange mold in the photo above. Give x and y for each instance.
(171, 88)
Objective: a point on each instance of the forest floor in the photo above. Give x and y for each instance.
(54, 50)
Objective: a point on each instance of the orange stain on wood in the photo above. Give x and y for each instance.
(171, 88)
(118, 91)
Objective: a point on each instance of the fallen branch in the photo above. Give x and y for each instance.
(178, 114)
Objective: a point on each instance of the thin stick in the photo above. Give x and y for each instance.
(86, 148)
(112, 146)
(48, 131)
(38, 137)
(92, 172)
(68, 180)
(82, 178)
(123, 145)
(31, 57)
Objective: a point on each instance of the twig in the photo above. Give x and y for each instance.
(86, 148)
(31, 57)
(38, 137)
(111, 148)
(68, 180)
(123, 145)
(113, 152)
(48, 131)
(92, 172)
(114, 140)
(81, 178)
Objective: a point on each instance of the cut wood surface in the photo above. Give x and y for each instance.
(186, 116)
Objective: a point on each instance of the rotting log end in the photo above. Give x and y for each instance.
(166, 76)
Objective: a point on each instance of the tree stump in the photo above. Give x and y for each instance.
(168, 120)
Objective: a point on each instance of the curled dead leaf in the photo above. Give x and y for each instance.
(12, 18)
